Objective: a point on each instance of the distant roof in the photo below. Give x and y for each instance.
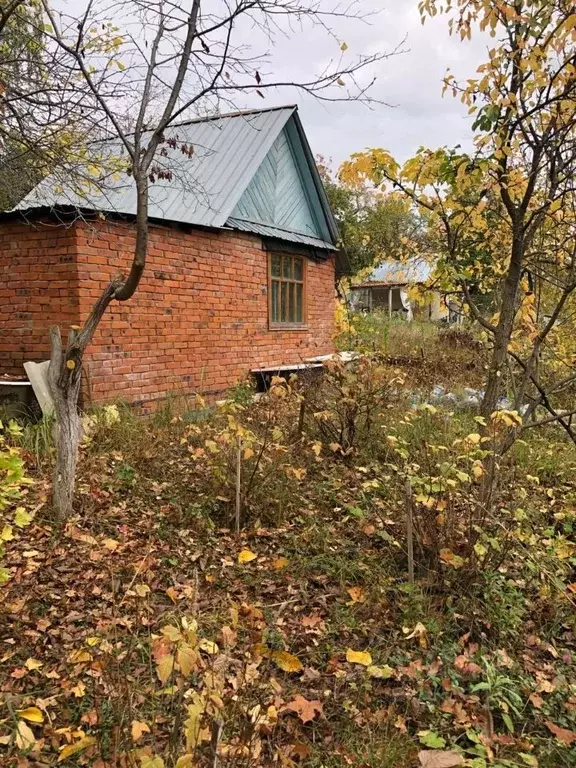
(410, 272)
(205, 188)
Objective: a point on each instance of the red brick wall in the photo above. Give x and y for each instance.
(38, 288)
(199, 321)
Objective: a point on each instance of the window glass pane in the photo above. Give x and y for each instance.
(276, 261)
(297, 269)
(284, 303)
(292, 302)
(299, 314)
(274, 301)
(287, 267)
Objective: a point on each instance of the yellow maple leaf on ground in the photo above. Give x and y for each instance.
(246, 556)
(359, 657)
(139, 729)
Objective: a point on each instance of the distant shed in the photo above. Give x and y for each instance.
(386, 288)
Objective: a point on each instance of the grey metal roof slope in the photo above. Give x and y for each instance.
(204, 188)
(410, 272)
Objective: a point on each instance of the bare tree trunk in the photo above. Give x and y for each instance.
(503, 330)
(65, 393)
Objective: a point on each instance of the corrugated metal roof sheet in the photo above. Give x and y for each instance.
(204, 188)
(266, 230)
(411, 272)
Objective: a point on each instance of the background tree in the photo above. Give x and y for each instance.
(132, 78)
(504, 215)
(374, 225)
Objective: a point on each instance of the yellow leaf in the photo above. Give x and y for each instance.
(248, 453)
(79, 746)
(6, 534)
(359, 657)
(380, 673)
(32, 714)
(139, 729)
(477, 470)
(185, 761)
(22, 518)
(142, 590)
(164, 667)
(450, 558)
(110, 544)
(25, 738)
(358, 594)
(79, 657)
(79, 690)
(246, 556)
(208, 646)
(186, 657)
(343, 47)
(286, 661)
(280, 562)
(32, 664)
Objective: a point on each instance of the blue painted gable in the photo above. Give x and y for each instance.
(282, 194)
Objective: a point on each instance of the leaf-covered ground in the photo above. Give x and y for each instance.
(145, 632)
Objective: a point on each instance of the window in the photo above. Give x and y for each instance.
(287, 290)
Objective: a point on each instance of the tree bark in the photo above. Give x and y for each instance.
(504, 328)
(65, 391)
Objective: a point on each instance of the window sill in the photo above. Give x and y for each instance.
(287, 326)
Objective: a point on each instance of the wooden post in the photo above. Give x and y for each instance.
(390, 303)
(410, 532)
(238, 482)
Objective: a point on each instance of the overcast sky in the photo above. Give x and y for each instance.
(411, 81)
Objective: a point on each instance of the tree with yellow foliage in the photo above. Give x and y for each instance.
(504, 215)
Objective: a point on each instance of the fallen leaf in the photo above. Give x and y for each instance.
(280, 562)
(32, 664)
(536, 701)
(358, 657)
(79, 657)
(208, 646)
(358, 594)
(380, 673)
(139, 729)
(286, 661)
(306, 710)
(142, 590)
(562, 734)
(110, 544)
(79, 746)
(79, 690)
(32, 714)
(246, 556)
(25, 738)
(439, 758)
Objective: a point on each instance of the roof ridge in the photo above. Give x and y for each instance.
(238, 113)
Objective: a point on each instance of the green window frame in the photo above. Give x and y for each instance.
(287, 290)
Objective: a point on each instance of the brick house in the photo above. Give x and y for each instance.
(240, 273)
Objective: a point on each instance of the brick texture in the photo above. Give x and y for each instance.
(198, 323)
(38, 288)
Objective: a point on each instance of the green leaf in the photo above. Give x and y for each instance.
(22, 518)
(431, 739)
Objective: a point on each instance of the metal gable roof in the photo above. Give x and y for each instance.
(413, 271)
(203, 189)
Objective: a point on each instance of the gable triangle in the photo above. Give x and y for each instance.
(278, 195)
